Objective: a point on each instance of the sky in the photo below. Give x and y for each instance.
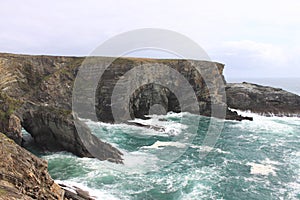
(258, 38)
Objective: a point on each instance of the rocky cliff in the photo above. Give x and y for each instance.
(25, 176)
(264, 100)
(36, 94)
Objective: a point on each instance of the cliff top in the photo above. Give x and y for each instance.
(135, 59)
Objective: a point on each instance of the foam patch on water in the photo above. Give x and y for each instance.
(94, 193)
(133, 130)
(262, 169)
(256, 116)
(169, 127)
(265, 167)
(159, 144)
(157, 125)
(208, 149)
(278, 125)
(139, 162)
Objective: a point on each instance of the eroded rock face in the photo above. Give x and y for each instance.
(36, 92)
(39, 99)
(207, 91)
(262, 99)
(23, 175)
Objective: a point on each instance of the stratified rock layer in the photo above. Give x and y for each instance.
(36, 94)
(23, 175)
(262, 99)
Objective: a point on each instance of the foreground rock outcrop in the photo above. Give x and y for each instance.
(25, 176)
(264, 100)
(36, 94)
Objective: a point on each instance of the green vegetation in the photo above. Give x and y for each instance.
(8, 106)
(2, 192)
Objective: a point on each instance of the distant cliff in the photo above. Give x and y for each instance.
(263, 100)
(36, 94)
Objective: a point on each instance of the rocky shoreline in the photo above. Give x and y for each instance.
(25, 176)
(36, 94)
(264, 100)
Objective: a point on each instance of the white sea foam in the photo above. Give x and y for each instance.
(278, 125)
(208, 149)
(159, 121)
(256, 116)
(160, 144)
(157, 125)
(262, 169)
(95, 193)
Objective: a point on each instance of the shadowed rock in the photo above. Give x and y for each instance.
(262, 99)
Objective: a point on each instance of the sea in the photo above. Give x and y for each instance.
(257, 159)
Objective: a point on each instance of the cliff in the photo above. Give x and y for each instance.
(263, 100)
(36, 94)
(25, 176)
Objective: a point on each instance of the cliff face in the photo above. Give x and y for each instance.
(24, 176)
(262, 99)
(36, 94)
(146, 95)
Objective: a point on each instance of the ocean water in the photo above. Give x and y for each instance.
(251, 160)
(257, 159)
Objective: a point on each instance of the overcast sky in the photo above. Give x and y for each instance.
(258, 38)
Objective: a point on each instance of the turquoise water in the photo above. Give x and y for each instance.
(251, 160)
